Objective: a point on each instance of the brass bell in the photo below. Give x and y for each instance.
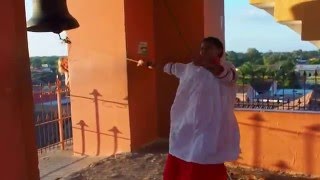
(51, 16)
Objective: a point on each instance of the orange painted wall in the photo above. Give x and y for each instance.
(98, 78)
(280, 141)
(17, 135)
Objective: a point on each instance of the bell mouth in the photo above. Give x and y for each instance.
(51, 25)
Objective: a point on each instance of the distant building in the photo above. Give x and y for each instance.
(42, 69)
(45, 65)
(308, 68)
(302, 61)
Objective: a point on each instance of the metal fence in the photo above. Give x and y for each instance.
(52, 114)
(295, 91)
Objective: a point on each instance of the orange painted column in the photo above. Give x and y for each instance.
(139, 22)
(98, 78)
(134, 100)
(17, 135)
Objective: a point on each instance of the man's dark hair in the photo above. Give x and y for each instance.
(215, 42)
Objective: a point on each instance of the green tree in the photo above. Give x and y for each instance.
(44, 60)
(293, 80)
(247, 70)
(288, 66)
(234, 59)
(47, 77)
(36, 63)
(53, 63)
(254, 56)
(314, 61)
(298, 54)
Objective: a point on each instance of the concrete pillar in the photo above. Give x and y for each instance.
(98, 78)
(133, 103)
(17, 136)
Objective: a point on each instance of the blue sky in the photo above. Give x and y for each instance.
(246, 27)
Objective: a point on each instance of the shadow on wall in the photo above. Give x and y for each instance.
(308, 136)
(257, 122)
(83, 125)
(309, 139)
(84, 128)
(282, 165)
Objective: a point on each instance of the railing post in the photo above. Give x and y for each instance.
(304, 89)
(60, 122)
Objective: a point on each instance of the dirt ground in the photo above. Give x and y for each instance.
(148, 164)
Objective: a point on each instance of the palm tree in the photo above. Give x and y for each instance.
(247, 69)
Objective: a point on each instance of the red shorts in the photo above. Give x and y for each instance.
(177, 169)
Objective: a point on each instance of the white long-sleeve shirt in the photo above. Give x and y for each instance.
(203, 128)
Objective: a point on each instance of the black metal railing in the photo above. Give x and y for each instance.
(295, 91)
(52, 114)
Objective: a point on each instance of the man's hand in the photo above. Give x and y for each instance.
(140, 63)
(145, 64)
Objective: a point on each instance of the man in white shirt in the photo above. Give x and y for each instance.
(204, 132)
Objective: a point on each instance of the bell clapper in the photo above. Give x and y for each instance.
(65, 40)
